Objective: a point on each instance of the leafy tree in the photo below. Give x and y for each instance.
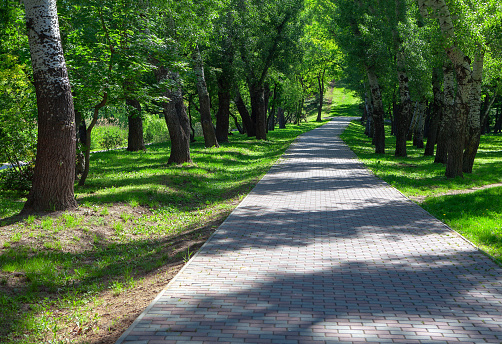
(265, 32)
(18, 127)
(54, 172)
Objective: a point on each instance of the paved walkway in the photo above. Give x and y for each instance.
(321, 251)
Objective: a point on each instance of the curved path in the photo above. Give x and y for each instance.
(321, 251)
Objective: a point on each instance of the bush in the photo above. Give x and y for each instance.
(17, 178)
(108, 137)
(155, 129)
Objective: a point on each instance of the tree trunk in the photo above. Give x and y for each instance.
(418, 134)
(204, 101)
(498, 121)
(237, 124)
(454, 163)
(266, 95)
(403, 115)
(436, 115)
(280, 118)
(474, 118)
(135, 140)
(88, 132)
(223, 114)
(176, 117)
(485, 118)
(246, 118)
(54, 174)
(81, 142)
(258, 111)
(320, 83)
(378, 112)
(461, 64)
(448, 113)
(271, 116)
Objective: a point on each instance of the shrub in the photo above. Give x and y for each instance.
(108, 137)
(155, 129)
(17, 178)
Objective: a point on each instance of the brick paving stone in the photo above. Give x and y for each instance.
(322, 251)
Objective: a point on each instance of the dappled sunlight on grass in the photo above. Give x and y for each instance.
(418, 175)
(138, 217)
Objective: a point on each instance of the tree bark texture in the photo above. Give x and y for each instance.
(462, 66)
(81, 138)
(418, 133)
(246, 118)
(258, 110)
(403, 115)
(204, 102)
(280, 118)
(271, 115)
(436, 113)
(485, 123)
(473, 132)
(378, 112)
(223, 113)
(54, 174)
(448, 113)
(176, 117)
(135, 141)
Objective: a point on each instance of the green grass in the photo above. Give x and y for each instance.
(345, 103)
(475, 215)
(136, 213)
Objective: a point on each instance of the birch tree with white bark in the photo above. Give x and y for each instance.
(54, 175)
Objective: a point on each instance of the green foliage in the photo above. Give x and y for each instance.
(18, 129)
(155, 129)
(108, 137)
(17, 178)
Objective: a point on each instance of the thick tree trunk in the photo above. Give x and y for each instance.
(436, 114)
(474, 118)
(461, 64)
(447, 112)
(246, 118)
(135, 141)
(378, 112)
(280, 118)
(223, 114)
(258, 110)
(204, 101)
(454, 163)
(403, 115)
(54, 175)
(176, 117)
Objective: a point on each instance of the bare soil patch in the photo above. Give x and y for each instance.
(421, 199)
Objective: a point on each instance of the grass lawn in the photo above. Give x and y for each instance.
(84, 276)
(476, 214)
